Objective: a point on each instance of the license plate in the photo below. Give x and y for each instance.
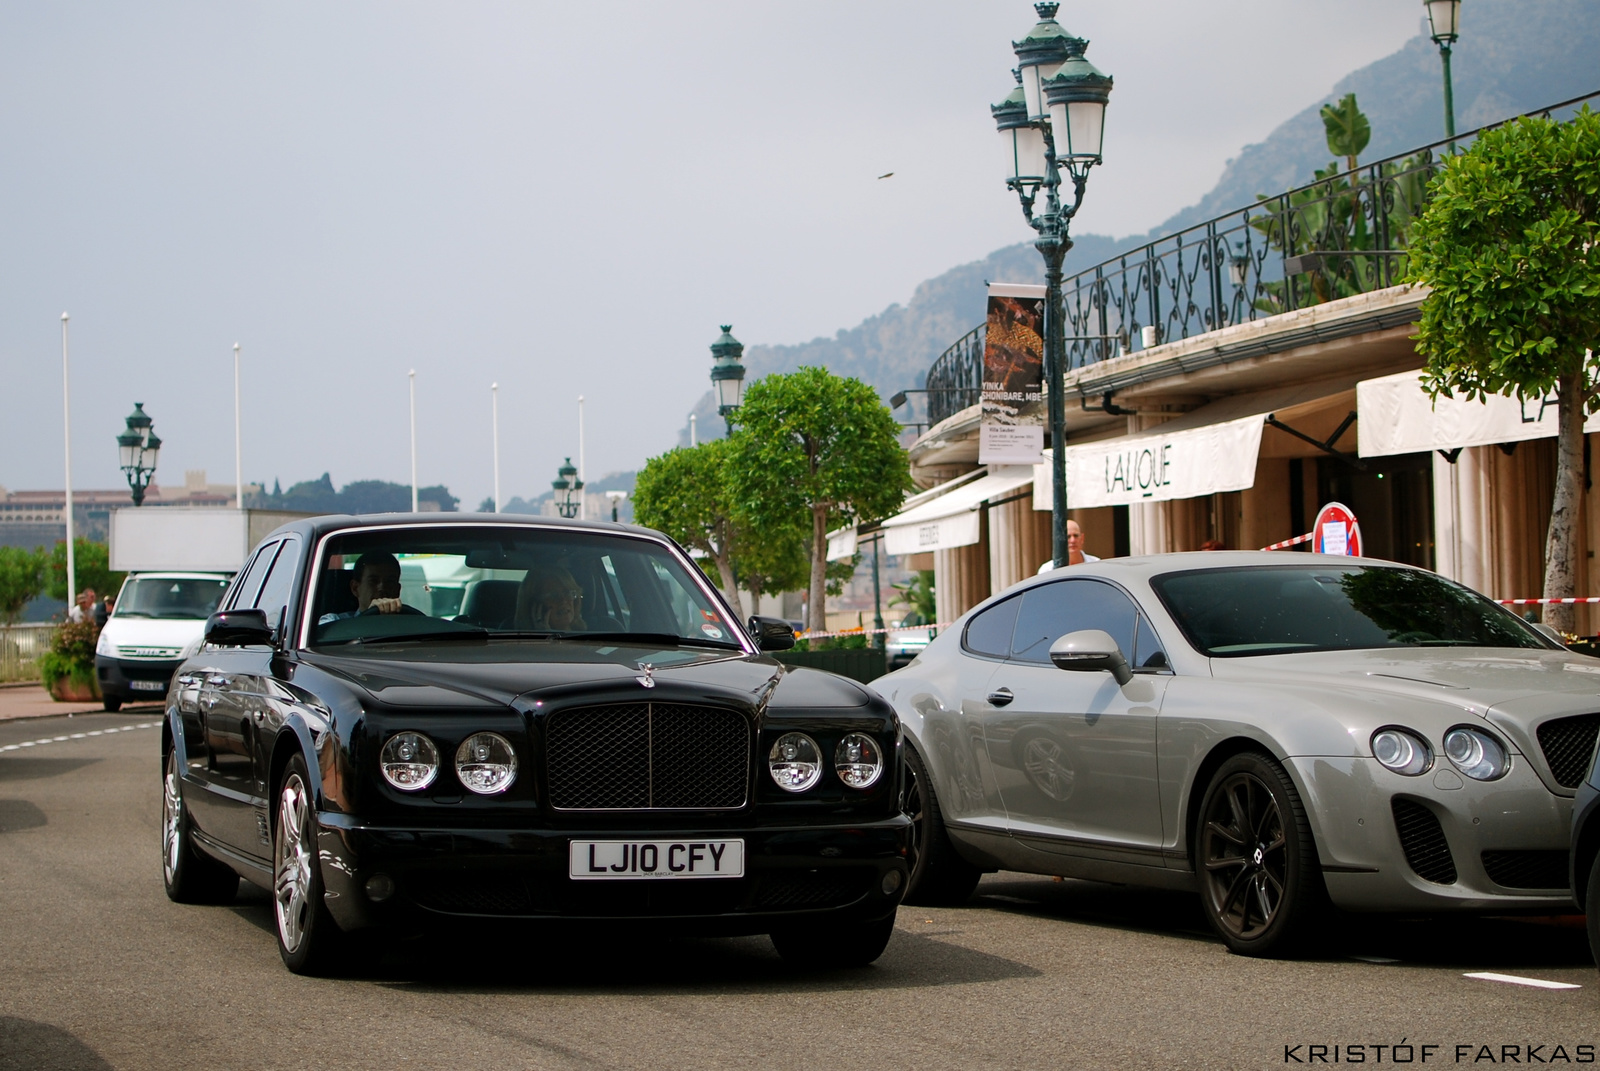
(611, 860)
(148, 686)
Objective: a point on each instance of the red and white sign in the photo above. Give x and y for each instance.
(1336, 531)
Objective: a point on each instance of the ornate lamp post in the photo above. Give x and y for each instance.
(138, 447)
(1444, 24)
(727, 374)
(1052, 127)
(567, 485)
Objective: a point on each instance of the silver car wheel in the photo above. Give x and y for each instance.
(292, 873)
(171, 819)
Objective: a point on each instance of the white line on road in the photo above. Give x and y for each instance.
(80, 736)
(1512, 979)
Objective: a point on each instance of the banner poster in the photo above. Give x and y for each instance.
(1012, 430)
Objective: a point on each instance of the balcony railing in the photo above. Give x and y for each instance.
(955, 380)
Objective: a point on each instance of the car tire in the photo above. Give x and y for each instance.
(1259, 877)
(1591, 904)
(112, 705)
(852, 944)
(938, 875)
(309, 940)
(190, 875)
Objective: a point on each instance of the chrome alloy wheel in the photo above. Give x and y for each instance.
(291, 879)
(1243, 850)
(171, 819)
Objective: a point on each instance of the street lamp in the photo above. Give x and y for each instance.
(1052, 124)
(138, 447)
(567, 487)
(616, 498)
(1444, 25)
(727, 374)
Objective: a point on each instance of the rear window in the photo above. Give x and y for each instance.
(1282, 609)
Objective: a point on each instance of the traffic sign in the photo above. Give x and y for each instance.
(1336, 531)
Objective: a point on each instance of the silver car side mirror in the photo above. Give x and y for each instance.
(1091, 650)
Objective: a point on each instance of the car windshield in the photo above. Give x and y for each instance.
(178, 598)
(1284, 609)
(433, 584)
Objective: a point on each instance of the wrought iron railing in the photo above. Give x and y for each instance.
(955, 380)
(20, 648)
(1344, 234)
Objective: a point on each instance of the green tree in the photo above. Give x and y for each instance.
(917, 593)
(815, 451)
(684, 493)
(1510, 245)
(21, 580)
(1347, 129)
(91, 568)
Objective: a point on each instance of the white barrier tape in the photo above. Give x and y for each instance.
(1292, 542)
(1547, 602)
(863, 631)
(79, 736)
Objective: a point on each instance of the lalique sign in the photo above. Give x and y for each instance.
(1156, 467)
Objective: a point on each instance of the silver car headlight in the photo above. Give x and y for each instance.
(858, 760)
(795, 762)
(1476, 753)
(409, 761)
(486, 763)
(1402, 751)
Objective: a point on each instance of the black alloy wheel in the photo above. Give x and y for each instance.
(1591, 903)
(190, 876)
(938, 875)
(1260, 882)
(309, 941)
(851, 944)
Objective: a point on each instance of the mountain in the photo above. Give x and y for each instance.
(1514, 56)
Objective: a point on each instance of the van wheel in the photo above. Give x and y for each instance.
(110, 704)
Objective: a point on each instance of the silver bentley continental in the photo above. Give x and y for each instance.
(1280, 732)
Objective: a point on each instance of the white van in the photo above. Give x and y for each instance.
(156, 616)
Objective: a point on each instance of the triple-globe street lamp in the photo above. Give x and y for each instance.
(1052, 127)
(567, 487)
(1444, 26)
(138, 447)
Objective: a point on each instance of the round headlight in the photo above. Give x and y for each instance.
(409, 761)
(486, 763)
(858, 760)
(1476, 754)
(795, 762)
(1401, 751)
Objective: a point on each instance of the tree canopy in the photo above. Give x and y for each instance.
(91, 567)
(21, 581)
(683, 493)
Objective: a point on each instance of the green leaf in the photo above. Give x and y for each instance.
(1347, 127)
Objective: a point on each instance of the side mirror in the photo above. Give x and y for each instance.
(771, 633)
(1548, 633)
(239, 628)
(1091, 650)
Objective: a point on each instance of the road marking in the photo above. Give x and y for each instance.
(1512, 979)
(80, 736)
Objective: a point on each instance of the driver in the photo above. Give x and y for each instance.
(375, 582)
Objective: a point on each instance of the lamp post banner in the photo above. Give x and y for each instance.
(1153, 467)
(1012, 429)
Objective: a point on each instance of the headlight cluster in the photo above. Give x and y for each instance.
(795, 761)
(1474, 752)
(486, 763)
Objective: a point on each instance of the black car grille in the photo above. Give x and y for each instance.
(476, 894)
(1568, 746)
(647, 756)
(812, 888)
(1528, 868)
(1422, 838)
(469, 893)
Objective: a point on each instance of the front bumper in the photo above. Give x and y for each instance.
(131, 679)
(1453, 844)
(791, 873)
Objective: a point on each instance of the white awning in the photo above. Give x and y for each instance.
(841, 543)
(1163, 463)
(950, 519)
(1398, 417)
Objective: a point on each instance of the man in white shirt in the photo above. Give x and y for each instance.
(1075, 554)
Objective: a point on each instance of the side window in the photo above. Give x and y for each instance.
(279, 583)
(1053, 610)
(1147, 652)
(989, 633)
(245, 594)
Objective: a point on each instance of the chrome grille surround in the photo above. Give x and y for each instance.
(648, 757)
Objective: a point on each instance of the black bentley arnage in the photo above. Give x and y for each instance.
(408, 719)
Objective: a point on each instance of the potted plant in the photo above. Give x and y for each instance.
(67, 668)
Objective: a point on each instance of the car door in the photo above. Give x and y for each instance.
(1074, 753)
(954, 734)
(212, 740)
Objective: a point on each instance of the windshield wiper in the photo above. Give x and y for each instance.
(429, 637)
(645, 639)
(133, 613)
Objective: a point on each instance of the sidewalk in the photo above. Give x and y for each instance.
(32, 701)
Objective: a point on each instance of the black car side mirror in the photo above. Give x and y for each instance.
(239, 628)
(1091, 650)
(771, 633)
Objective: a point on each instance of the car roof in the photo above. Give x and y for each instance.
(316, 527)
(1148, 566)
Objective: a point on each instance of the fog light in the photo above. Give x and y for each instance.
(891, 882)
(1476, 754)
(795, 762)
(379, 888)
(409, 761)
(858, 760)
(486, 763)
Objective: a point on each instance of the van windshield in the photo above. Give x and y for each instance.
(178, 598)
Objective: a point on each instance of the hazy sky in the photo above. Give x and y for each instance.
(564, 198)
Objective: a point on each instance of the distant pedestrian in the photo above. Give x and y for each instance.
(1075, 552)
(83, 609)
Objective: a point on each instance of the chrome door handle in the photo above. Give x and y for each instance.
(1000, 697)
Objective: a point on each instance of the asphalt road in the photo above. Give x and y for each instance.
(99, 970)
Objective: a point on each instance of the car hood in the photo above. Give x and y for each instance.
(158, 632)
(454, 683)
